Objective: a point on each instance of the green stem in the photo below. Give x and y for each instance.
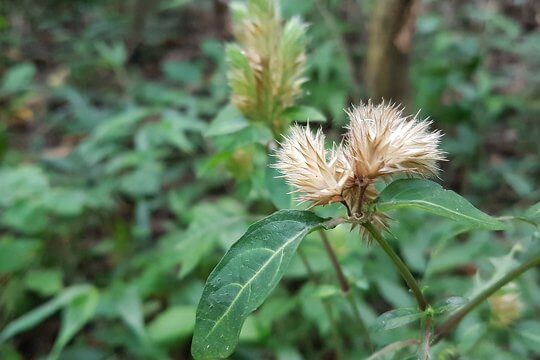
(402, 268)
(327, 307)
(455, 319)
(426, 341)
(345, 289)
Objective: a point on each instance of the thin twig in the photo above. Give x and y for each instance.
(455, 319)
(332, 223)
(327, 307)
(345, 288)
(335, 263)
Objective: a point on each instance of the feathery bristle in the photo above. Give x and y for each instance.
(381, 141)
(317, 174)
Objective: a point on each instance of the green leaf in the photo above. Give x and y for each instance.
(255, 133)
(450, 305)
(304, 114)
(34, 317)
(20, 183)
(244, 277)
(65, 202)
(211, 223)
(279, 191)
(77, 313)
(18, 78)
(44, 281)
(533, 213)
(228, 121)
(119, 126)
(129, 307)
(529, 331)
(173, 324)
(396, 318)
(16, 254)
(431, 197)
(182, 72)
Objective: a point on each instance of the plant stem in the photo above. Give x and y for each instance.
(335, 263)
(345, 289)
(455, 319)
(426, 342)
(327, 307)
(402, 268)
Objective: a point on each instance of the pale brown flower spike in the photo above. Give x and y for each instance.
(380, 143)
(267, 62)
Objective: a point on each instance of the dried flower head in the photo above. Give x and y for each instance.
(317, 174)
(380, 142)
(506, 305)
(267, 64)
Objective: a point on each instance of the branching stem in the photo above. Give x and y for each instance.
(455, 319)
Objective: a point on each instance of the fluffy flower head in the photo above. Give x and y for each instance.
(317, 174)
(380, 142)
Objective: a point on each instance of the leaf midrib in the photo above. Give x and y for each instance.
(400, 203)
(267, 262)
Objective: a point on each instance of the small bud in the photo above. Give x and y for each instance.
(506, 305)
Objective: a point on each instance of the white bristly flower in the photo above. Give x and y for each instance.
(317, 174)
(380, 142)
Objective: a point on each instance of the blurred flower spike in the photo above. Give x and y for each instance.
(380, 143)
(506, 305)
(267, 64)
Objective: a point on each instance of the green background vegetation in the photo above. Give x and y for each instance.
(122, 181)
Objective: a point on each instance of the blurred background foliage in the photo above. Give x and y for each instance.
(124, 176)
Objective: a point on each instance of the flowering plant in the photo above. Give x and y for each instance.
(380, 144)
(383, 163)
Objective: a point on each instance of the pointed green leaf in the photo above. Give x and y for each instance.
(450, 305)
(396, 318)
(36, 316)
(431, 197)
(76, 314)
(173, 324)
(228, 121)
(244, 277)
(533, 213)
